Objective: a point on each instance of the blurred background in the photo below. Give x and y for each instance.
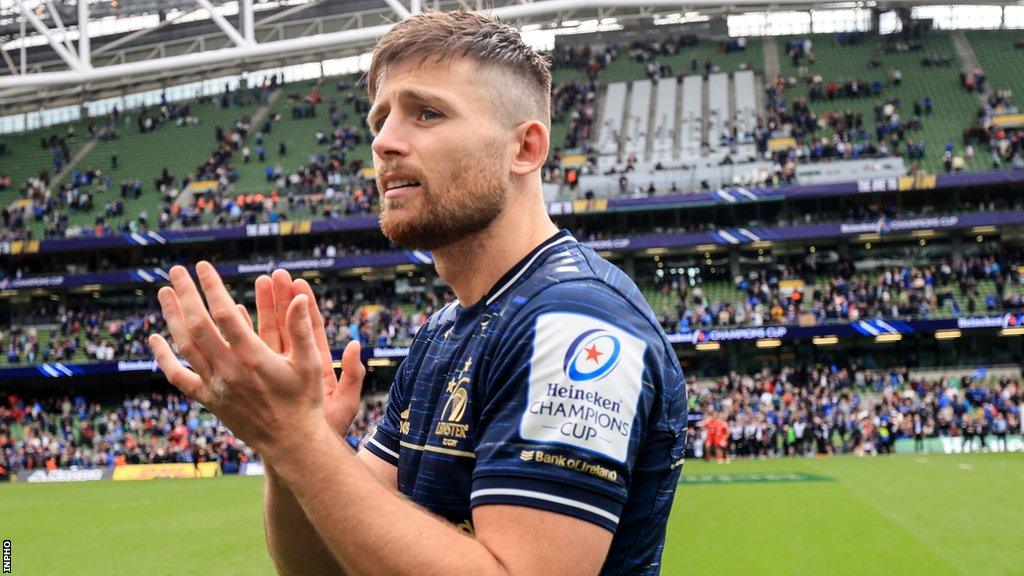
(821, 201)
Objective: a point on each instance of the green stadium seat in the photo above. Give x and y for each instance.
(954, 107)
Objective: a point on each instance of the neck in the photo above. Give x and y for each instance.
(473, 265)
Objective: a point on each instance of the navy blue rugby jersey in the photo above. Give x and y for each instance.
(557, 391)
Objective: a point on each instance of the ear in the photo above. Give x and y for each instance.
(531, 141)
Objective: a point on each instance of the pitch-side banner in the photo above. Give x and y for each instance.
(53, 476)
(178, 471)
(252, 469)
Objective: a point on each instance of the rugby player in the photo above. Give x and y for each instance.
(538, 424)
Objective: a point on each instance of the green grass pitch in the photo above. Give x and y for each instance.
(931, 515)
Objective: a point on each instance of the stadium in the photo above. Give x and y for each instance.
(819, 201)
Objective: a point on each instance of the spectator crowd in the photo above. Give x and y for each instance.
(974, 285)
(832, 410)
(73, 431)
(65, 333)
(793, 412)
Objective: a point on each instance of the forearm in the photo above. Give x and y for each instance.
(369, 528)
(293, 543)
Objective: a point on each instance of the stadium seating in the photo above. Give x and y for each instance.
(638, 119)
(76, 335)
(299, 133)
(954, 107)
(146, 428)
(745, 110)
(1000, 58)
(640, 115)
(687, 60)
(26, 157)
(663, 136)
(877, 408)
(705, 302)
(143, 157)
(612, 115)
(692, 120)
(970, 287)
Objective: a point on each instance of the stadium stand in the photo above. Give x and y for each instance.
(147, 428)
(862, 75)
(325, 150)
(132, 160)
(638, 119)
(88, 333)
(663, 134)
(691, 122)
(773, 296)
(790, 412)
(621, 108)
(825, 411)
(611, 123)
(758, 298)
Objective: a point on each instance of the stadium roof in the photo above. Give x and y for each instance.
(65, 51)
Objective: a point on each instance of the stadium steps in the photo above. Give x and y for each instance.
(969, 58)
(263, 110)
(648, 144)
(26, 158)
(1002, 62)
(772, 68)
(180, 149)
(82, 153)
(298, 135)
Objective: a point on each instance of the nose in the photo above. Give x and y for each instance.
(391, 139)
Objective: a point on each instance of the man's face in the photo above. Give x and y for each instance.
(440, 152)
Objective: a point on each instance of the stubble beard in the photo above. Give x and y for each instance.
(470, 197)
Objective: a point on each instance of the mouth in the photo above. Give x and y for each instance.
(400, 188)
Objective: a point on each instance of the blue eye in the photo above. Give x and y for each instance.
(428, 114)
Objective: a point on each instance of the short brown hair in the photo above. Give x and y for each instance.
(446, 35)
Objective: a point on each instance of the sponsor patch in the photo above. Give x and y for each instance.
(585, 382)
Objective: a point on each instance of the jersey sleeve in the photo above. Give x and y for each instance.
(385, 441)
(566, 401)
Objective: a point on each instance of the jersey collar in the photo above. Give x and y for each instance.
(560, 238)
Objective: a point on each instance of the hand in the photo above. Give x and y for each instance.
(270, 399)
(274, 294)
